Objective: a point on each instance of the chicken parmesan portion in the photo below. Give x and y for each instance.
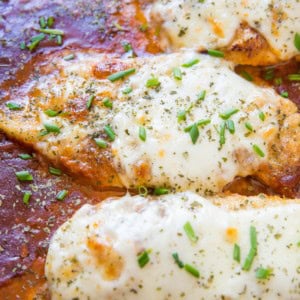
(250, 32)
(179, 246)
(180, 121)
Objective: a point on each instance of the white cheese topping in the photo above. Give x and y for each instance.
(169, 151)
(120, 230)
(212, 24)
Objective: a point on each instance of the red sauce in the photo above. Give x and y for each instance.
(99, 24)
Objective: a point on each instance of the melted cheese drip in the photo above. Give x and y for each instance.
(134, 224)
(212, 24)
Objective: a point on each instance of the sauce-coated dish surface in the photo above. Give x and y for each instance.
(39, 39)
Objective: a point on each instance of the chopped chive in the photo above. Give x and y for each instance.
(69, 57)
(144, 27)
(253, 237)
(230, 126)
(52, 31)
(59, 40)
(120, 75)
(13, 106)
(61, 195)
(249, 126)
(181, 116)
(262, 273)
(100, 142)
(90, 102)
(143, 191)
(127, 46)
(22, 46)
(294, 77)
(51, 128)
(269, 74)
(192, 270)
(109, 132)
(284, 94)
(201, 96)
(152, 82)
(107, 103)
(50, 21)
(278, 81)
(297, 41)
(222, 134)
(51, 113)
(42, 22)
(177, 73)
(215, 53)
(33, 45)
(262, 116)
(38, 37)
(43, 132)
(237, 253)
(127, 90)
(24, 176)
(226, 115)
(142, 133)
(249, 260)
(25, 156)
(194, 133)
(143, 259)
(201, 122)
(253, 250)
(177, 260)
(160, 191)
(246, 75)
(258, 150)
(298, 244)
(190, 232)
(190, 63)
(55, 171)
(35, 41)
(26, 197)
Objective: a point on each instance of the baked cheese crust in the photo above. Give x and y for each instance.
(250, 32)
(179, 246)
(185, 121)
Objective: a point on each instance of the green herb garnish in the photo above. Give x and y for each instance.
(13, 106)
(258, 150)
(215, 53)
(109, 132)
(120, 75)
(26, 197)
(190, 232)
(24, 176)
(142, 133)
(143, 259)
(61, 195)
(100, 142)
(190, 63)
(177, 73)
(55, 171)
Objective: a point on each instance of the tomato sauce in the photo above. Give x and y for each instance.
(100, 24)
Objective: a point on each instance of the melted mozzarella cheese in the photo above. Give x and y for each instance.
(213, 24)
(94, 255)
(169, 155)
(168, 151)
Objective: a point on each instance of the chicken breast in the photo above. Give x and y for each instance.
(179, 246)
(183, 121)
(249, 32)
